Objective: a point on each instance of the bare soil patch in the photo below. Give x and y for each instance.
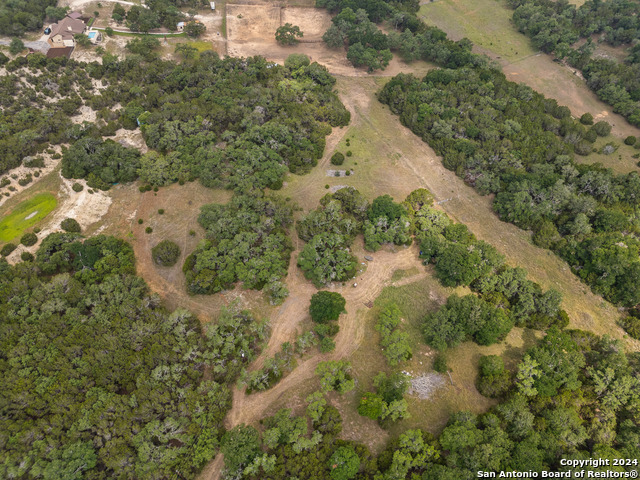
(181, 205)
(251, 31)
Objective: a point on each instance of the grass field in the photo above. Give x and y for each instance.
(201, 46)
(26, 215)
(416, 300)
(486, 23)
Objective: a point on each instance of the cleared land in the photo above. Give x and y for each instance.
(251, 31)
(25, 215)
(388, 158)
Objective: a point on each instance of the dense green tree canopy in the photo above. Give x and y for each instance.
(20, 16)
(326, 306)
(246, 241)
(100, 380)
(165, 253)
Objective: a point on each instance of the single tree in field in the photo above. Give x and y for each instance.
(166, 253)
(326, 306)
(288, 34)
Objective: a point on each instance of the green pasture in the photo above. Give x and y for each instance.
(25, 215)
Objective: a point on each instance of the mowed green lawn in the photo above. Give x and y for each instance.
(487, 23)
(26, 215)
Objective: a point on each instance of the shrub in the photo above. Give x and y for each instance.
(602, 128)
(77, 187)
(586, 119)
(609, 148)
(140, 221)
(590, 136)
(326, 187)
(327, 345)
(70, 225)
(148, 230)
(630, 140)
(337, 158)
(109, 31)
(161, 211)
(493, 380)
(27, 256)
(166, 253)
(26, 180)
(631, 324)
(583, 148)
(296, 61)
(371, 406)
(16, 46)
(36, 162)
(440, 363)
(349, 153)
(7, 249)
(326, 306)
(29, 239)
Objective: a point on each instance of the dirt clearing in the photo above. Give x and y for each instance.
(86, 208)
(251, 31)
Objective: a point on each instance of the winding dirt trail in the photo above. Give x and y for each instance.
(249, 409)
(415, 165)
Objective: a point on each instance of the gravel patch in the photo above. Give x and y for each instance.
(425, 386)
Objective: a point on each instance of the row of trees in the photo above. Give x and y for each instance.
(503, 297)
(155, 14)
(98, 379)
(354, 28)
(503, 138)
(555, 27)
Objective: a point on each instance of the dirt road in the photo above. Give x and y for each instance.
(416, 165)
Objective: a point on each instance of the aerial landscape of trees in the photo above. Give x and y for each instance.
(557, 27)
(28, 122)
(102, 380)
(503, 138)
(99, 379)
(573, 395)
